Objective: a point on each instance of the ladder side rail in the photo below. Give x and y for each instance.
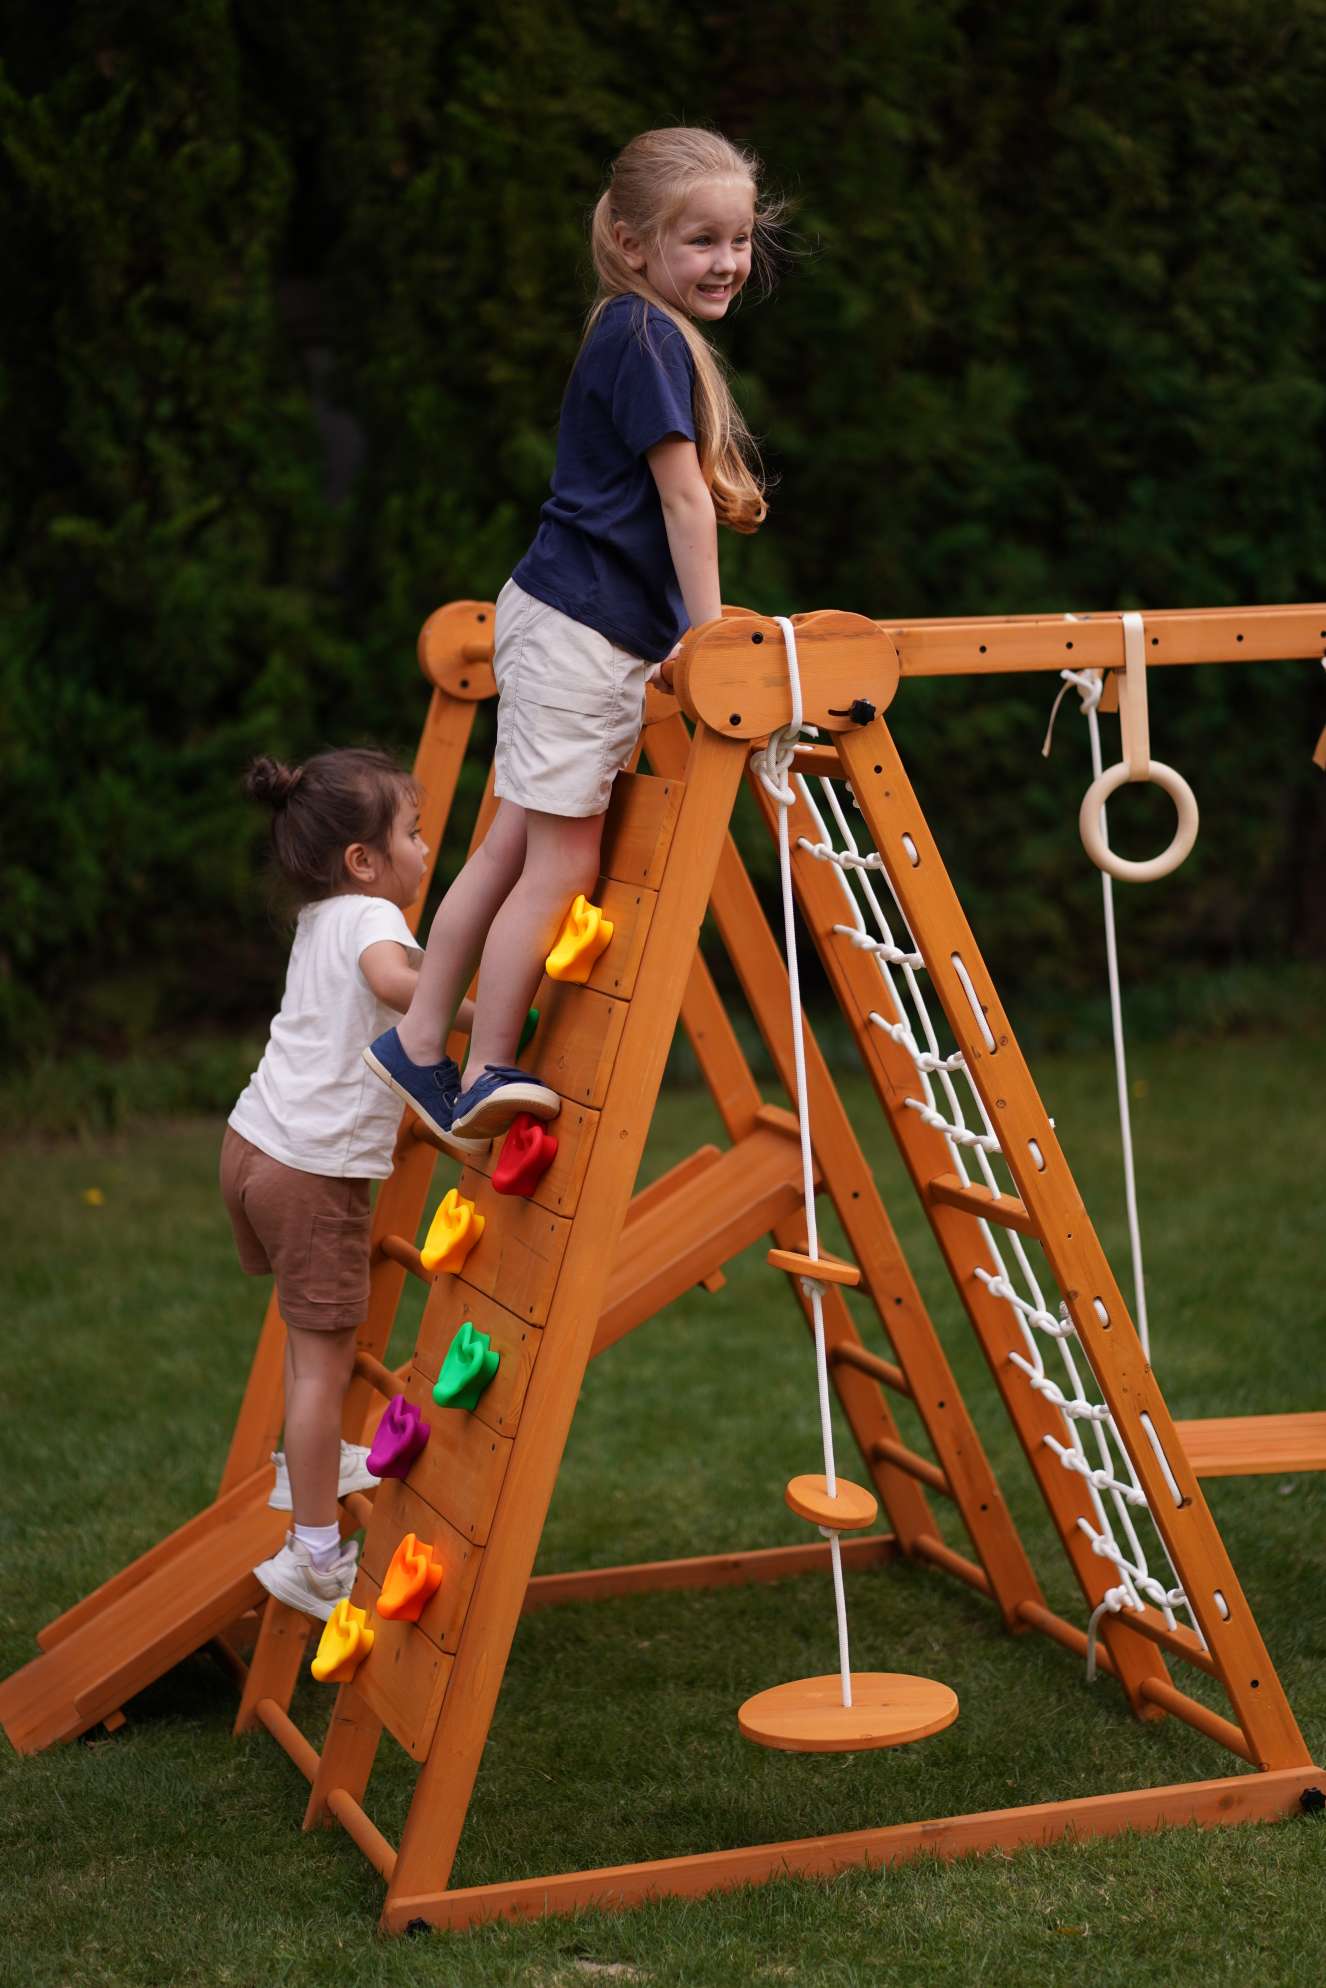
(442, 1795)
(1008, 1094)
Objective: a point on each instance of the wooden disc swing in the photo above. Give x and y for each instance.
(845, 1711)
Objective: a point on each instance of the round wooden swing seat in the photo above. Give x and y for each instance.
(888, 1708)
(852, 1508)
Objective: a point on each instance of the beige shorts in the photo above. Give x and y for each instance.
(569, 710)
(310, 1229)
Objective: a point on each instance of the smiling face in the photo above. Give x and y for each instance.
(702, 258)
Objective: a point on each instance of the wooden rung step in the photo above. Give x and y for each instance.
(847, 1354)
(851, 1508)
(1006, 1209)
(825, 1269)
(397, 1250)
(885, 1450)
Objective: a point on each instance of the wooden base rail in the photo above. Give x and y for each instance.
(706, 1570)
(1237, 1798)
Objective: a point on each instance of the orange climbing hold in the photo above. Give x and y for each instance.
(452, 1233)
(585, 934)
(410, 1582)
(346, 1641)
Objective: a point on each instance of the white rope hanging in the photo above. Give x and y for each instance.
(774, 766)
(1090, 685)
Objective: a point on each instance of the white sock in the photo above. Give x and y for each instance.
(323, 1543)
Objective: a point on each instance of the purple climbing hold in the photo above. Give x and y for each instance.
(401, 1434)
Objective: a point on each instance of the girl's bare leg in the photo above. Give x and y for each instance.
(561, 858)
(318, 1366)
(458, 932)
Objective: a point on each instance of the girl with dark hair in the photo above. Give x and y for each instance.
(313, 1128)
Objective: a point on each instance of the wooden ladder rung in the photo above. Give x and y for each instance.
(885, 1450)
(847, 1354)
(397, 1250)
(1005, 1209)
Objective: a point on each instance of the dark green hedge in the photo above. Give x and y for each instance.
(291, 293)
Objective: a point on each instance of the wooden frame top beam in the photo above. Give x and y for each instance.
(1008, 644)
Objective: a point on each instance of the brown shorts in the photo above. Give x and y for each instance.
(310, 1229)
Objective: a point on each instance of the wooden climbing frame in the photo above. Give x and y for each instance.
(559, 1277)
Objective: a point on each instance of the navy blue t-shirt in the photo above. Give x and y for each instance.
(601, 551)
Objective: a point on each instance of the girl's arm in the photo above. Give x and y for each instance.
(692, 528)
(386, 967)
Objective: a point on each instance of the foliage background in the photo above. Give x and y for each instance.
(291, 294)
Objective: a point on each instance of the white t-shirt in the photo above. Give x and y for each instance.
(313, 1102)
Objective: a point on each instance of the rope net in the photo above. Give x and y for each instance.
(1051, 1358)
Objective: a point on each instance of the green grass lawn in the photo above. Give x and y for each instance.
(170, 1853)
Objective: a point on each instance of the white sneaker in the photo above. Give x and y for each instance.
(291, 1576)
(355, 1476)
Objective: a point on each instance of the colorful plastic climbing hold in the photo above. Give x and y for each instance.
(398, 1438)
(469, 1366)
(346, 1641)
(528, 1151)
(527, 1028)
(452, 1233)
(584, 935)
(410, 1582)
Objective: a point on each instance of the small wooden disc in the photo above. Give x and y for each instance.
(853, 1508)
(888, 1708)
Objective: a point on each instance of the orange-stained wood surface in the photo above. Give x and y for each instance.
(888, 1708)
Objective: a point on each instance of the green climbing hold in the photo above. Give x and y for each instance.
(531, 1022)
(469, 1366)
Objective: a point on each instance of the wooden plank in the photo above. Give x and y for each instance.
(348, 1753)
(637, 834)
(460, 1470)
(1035, 642)
(450, 1304)
(1234, 1799)
(519, 1253)
(575, 1044)
(403, 1679)
(397, 1510)
(705, 1570)
(1255, 1445)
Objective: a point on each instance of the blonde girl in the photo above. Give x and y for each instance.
(652, 456)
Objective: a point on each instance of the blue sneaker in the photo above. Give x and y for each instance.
(430, 1089)
(498, 1096)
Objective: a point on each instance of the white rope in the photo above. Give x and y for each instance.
(1089, 686)
(773, 767)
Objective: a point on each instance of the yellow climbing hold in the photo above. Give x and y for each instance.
(452, 1234)
(584, 935)
(346, 1641)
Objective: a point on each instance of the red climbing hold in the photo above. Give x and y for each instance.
(528, 1151)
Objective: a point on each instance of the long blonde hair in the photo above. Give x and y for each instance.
(648, 188)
